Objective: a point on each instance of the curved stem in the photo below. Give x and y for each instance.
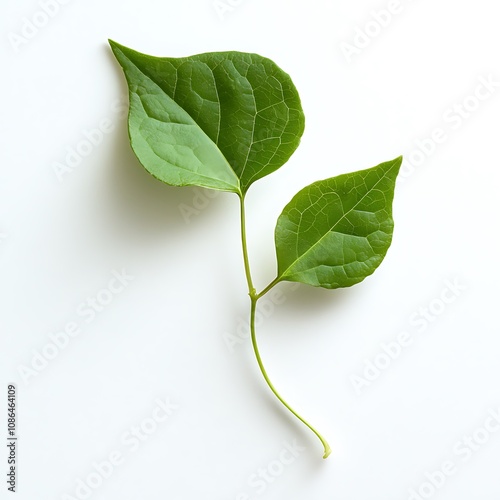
(270, 384)
(254, 297)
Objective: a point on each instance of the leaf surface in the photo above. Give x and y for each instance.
(336, 232)
(220, 120)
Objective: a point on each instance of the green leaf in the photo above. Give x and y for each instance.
(336, 232)
(219, 120)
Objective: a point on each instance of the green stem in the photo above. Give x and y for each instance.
(268, 287)
(251, 289)
(254, 298)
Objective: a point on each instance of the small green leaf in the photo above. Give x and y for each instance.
(220, 120)
(336, 232)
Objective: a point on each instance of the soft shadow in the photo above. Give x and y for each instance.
(144, 202)
(301, 298)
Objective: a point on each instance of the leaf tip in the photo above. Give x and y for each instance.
(115, 46)
(395, 165)
(397, 161)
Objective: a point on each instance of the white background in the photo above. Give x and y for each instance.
(166, 334)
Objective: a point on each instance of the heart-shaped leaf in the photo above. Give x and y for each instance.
(336, 232)
(219, 120)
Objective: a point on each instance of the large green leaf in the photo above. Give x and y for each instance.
(336, 232)
(220, 120)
